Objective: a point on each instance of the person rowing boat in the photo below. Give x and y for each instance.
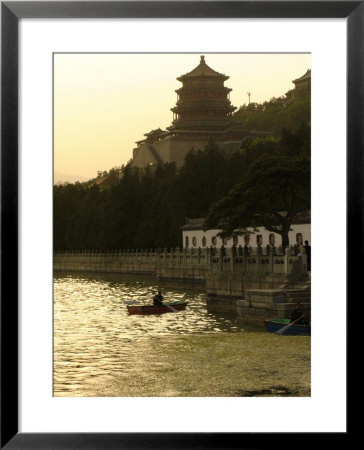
(158, 299)
(297, 316)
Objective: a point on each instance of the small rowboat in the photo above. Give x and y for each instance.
(273, 325)
(152, 309)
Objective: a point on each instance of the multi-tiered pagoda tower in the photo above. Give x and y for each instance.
(203, 110)
(203, 102)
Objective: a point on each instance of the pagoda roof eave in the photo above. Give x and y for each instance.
(185, 108)
(199, 89)
(202, 70)
(188, 131)
(187, 76)
(306, 76)
(200, 125)
(158, 131)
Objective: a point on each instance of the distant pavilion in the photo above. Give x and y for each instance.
(303, 82)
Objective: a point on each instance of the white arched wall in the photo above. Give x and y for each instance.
(304, 229)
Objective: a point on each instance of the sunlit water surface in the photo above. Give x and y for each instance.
(94, 335)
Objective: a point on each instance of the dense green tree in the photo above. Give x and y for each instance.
(272, 192)
(202, 179)
(288, 111)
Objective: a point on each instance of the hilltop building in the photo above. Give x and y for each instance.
(203, 110)
(303, 82)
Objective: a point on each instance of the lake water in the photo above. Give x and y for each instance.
(94, 336)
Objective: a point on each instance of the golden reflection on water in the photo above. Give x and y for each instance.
(94, 336)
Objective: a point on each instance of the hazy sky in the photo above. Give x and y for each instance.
(104, 103)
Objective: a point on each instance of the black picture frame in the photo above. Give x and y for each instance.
(11, 12)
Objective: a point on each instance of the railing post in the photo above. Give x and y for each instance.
(209, 258)
(221, 260)
(233, 254)
(259, 257)
(287, 253)
(271, 254)
(303, 259)
(184, 251)
(177, 255)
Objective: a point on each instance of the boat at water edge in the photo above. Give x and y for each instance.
(274, 325)
(153, 309)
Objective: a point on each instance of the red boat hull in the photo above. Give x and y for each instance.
(151, 309)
